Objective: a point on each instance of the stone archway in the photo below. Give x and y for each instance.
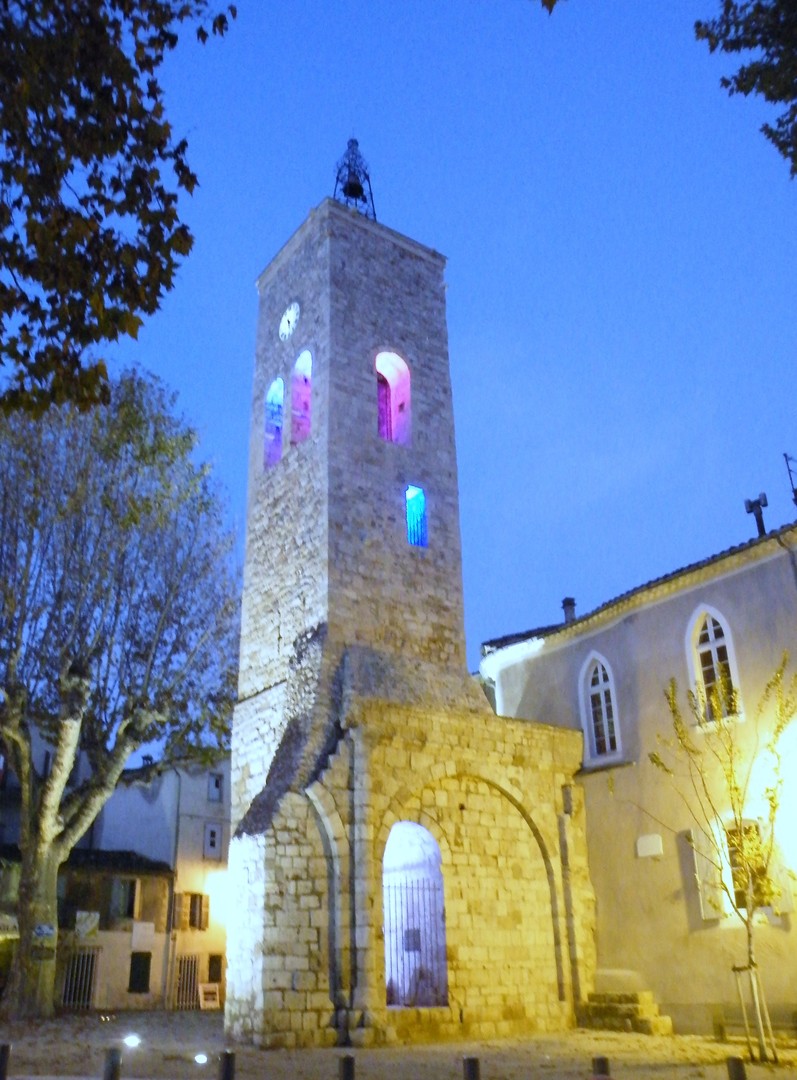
(413, 912)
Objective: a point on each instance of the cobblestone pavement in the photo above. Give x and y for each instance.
(76, 1046)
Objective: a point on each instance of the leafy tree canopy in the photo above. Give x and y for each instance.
(767, 31)
(90, 172)
(118, 626)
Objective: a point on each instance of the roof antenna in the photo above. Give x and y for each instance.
(789, 462)
(756, 508)
(352, 182)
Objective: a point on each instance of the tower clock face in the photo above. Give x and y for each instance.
(290, 318)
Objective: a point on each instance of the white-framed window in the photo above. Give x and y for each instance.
(722, 871)
(212, 844)
(712, 664)
(215, 787)
(598, 701)
(125, 898)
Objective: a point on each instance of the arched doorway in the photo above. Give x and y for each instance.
(414, 917)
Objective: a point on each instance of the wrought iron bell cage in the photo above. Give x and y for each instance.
(352, 182)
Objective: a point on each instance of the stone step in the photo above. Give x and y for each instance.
(648, 1009)
(641, 997)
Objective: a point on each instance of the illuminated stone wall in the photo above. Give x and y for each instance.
(498, 797)
(355, 707)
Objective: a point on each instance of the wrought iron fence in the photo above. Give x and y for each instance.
(415, 943)
(79, 977)
(187, 992)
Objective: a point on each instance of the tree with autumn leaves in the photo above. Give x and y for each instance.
(90, 175)
(118, 629)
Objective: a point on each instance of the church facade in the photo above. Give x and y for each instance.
(407, 865)
(665, 874)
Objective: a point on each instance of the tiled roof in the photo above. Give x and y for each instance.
(495, 644)
(126, 862)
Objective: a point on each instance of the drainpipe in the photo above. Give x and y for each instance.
(171, 948)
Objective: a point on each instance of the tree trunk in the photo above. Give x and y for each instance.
(753, 976)
(30, 990)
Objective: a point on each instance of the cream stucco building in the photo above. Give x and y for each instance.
(662, 923)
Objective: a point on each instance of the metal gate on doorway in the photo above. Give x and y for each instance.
(80, 976)
(187, 990)
(415, 943)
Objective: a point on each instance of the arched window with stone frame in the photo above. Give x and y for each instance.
(598, 702)
(301, 397)
(272, 442)
(711, 660)
(394, 399)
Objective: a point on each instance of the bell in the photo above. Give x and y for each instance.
(353, 188)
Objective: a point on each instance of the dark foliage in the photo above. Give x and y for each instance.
(90, 172)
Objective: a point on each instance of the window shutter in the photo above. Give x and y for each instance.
(177, 910)
(204, 918)
(181, 911)
(707, 875)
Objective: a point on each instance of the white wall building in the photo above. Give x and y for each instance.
(662, 923)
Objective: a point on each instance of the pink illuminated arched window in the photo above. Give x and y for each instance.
(393, 398)
(272, 450)
(301, 393)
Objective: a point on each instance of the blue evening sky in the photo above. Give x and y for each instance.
(621, 274)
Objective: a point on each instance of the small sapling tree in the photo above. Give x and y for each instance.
(728, 772)
(118, 628)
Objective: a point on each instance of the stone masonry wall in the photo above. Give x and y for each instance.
(388, 293)
(495, 795)
(355, 708)
(498, 797)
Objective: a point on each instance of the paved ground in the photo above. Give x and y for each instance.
(76, 1046)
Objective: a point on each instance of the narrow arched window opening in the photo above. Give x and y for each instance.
(394, 403)
(715, 684)
(414, 918)
(599, 710)
(417, 529)
(301, 397)
(601, 705)
(272, 451)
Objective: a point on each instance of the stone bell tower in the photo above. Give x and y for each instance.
(352, 661)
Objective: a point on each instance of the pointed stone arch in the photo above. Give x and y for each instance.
(407, 802)
(338, 850)
(413, 918)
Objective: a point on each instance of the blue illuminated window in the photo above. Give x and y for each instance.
(272, 451)
(416, 517)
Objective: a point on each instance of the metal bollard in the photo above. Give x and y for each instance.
(600, 1067)
(113, 1064)
(736, 1069)
(470, 1068)
(346, 1067)
(227, 1065)
(5, 1051)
